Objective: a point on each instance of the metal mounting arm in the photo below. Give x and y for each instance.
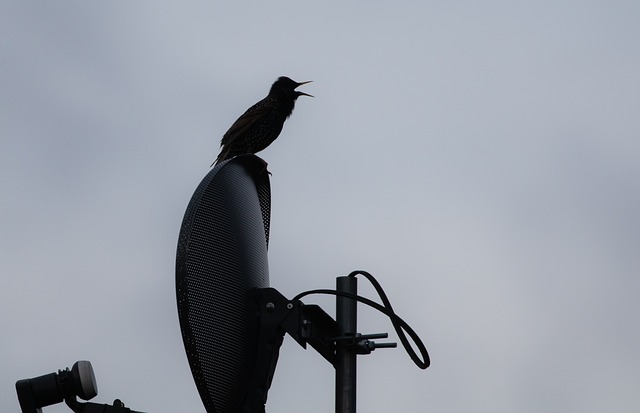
(306, 324)
(337, 341)
(117, 407)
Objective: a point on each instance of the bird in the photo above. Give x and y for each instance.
(261, 124)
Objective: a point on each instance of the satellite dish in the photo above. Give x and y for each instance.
(233, 323)
(221, 259)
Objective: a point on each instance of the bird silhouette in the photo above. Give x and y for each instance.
(261, 124)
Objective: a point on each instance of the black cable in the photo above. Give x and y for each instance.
(399, 325)
(423, 364)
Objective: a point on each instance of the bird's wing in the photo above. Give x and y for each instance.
(244, 122)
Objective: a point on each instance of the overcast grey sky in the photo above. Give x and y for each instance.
(481, 159)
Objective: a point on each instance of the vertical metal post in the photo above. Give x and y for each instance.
(346, 316)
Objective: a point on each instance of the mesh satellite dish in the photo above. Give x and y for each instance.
(233, 323)
(221, 259)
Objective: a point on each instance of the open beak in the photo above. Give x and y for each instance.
(302, 93)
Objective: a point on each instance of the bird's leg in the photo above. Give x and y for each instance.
(265, 165)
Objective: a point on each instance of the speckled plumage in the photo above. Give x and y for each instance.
(261, 124)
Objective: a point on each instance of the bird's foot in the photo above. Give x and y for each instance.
(264, 168)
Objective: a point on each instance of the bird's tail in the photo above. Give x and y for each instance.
(220, 158)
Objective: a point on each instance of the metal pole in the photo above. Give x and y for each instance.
(346, 316)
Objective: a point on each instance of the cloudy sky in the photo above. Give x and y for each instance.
(481, 159)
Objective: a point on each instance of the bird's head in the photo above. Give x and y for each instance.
(286, 88)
